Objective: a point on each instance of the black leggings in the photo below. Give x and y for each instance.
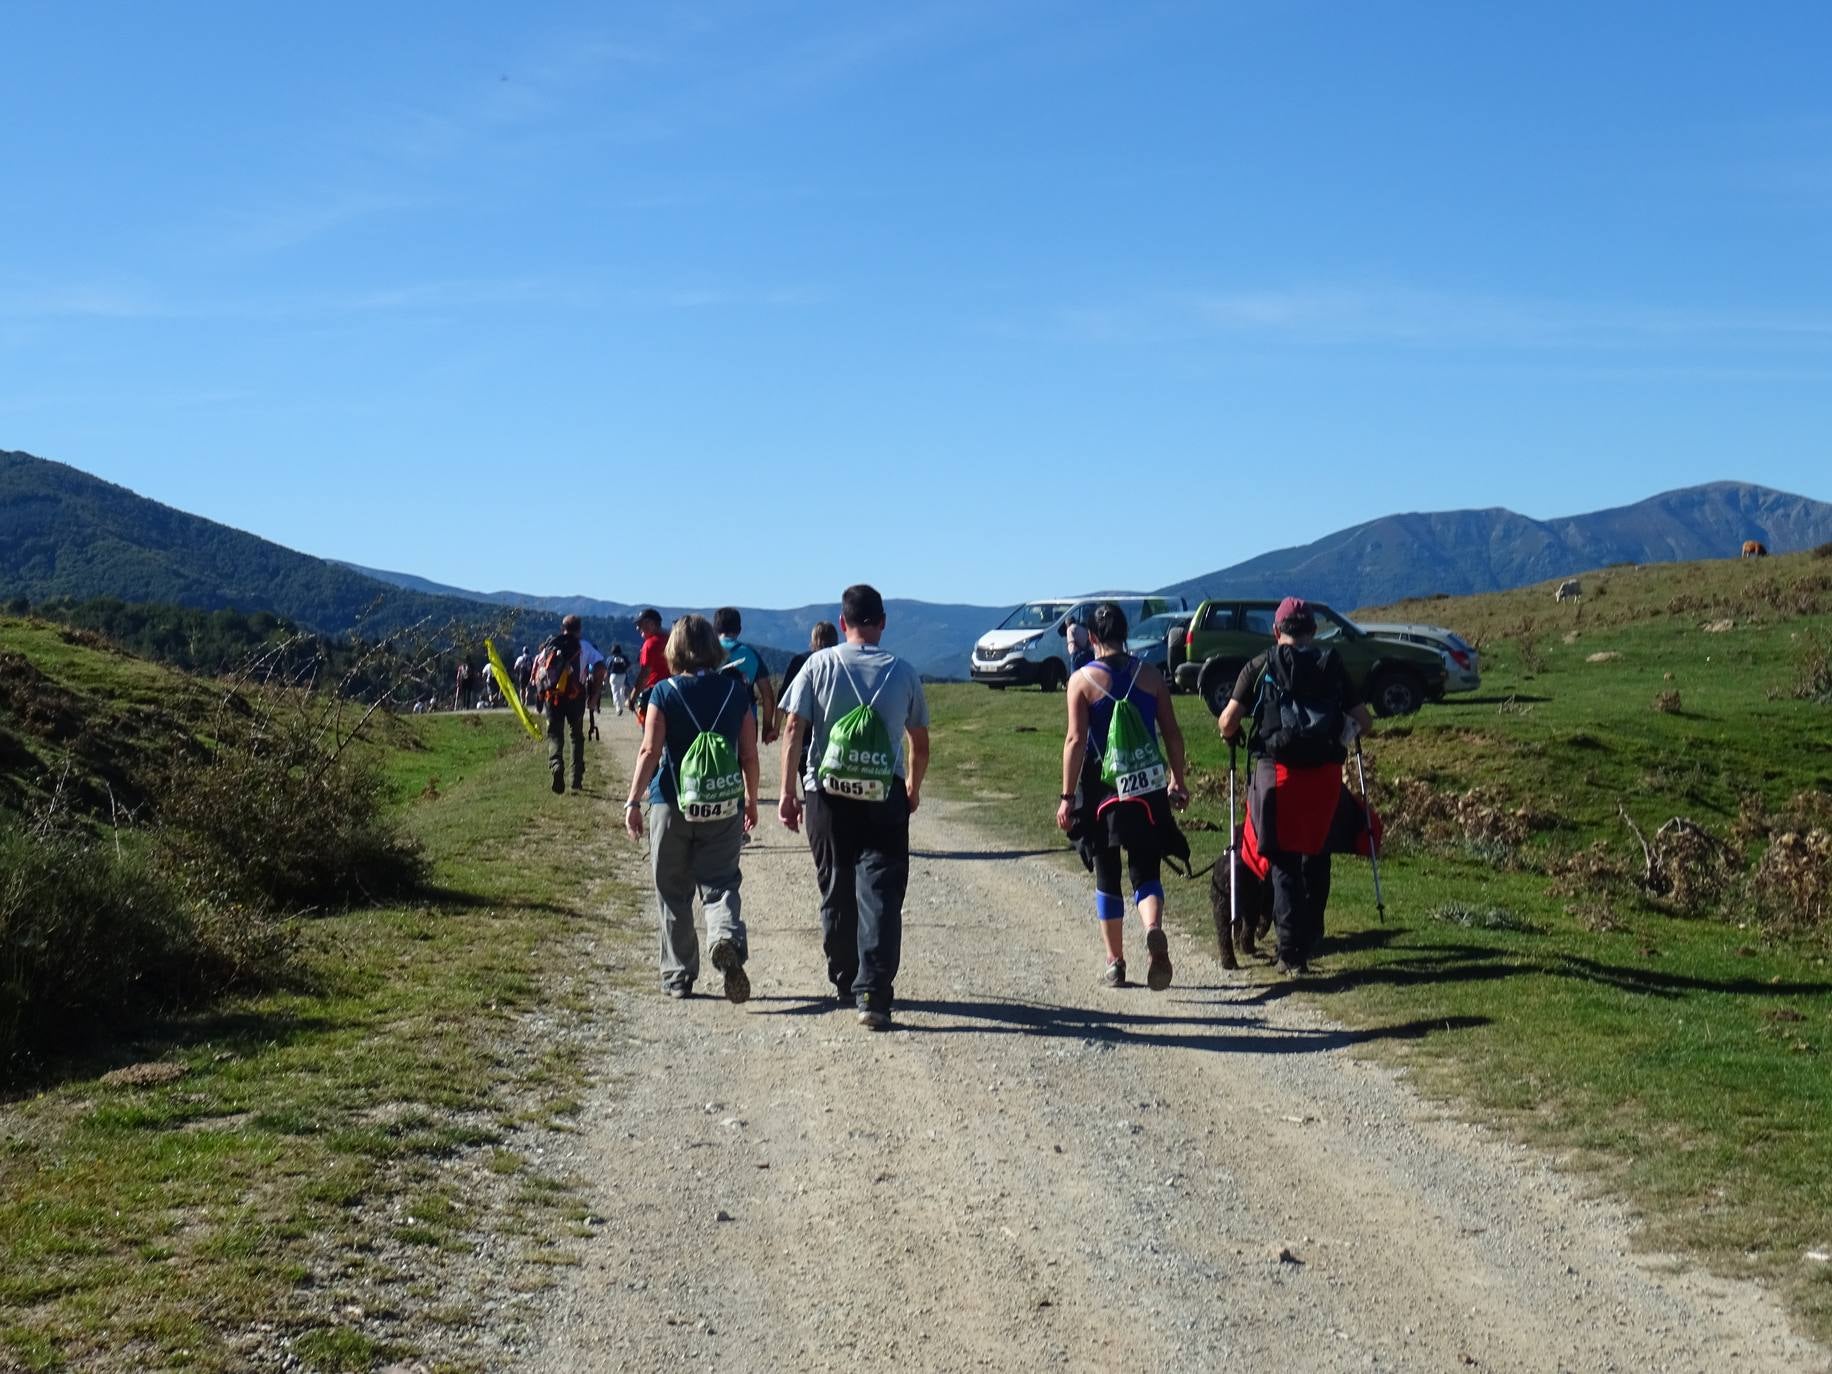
(1143, 866)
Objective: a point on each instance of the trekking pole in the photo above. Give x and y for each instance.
(1361, 774)
(1233, 846)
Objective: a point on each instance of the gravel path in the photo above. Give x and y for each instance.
(1034, 1171)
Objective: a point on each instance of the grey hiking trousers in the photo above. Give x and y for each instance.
(690, 857)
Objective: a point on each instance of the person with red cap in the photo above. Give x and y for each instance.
(1305, 714)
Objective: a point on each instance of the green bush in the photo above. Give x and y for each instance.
(93, 935)
(276, 816)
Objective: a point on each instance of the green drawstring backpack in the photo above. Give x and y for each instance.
(1133, 764)
(858, 760)
(709, 784)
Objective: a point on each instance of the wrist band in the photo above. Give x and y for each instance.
(1068, 796)
(632, 806)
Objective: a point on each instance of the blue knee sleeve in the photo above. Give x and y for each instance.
(1109, 906)
(1153, 889)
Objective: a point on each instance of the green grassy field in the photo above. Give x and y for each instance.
(329, 1148)
(1684, 1056)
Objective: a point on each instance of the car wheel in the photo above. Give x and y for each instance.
(1396, 694)
(1054, 677)
(1216, 684)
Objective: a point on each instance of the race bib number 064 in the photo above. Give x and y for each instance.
(709, 811)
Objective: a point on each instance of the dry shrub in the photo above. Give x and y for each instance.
(1790, 889)
(274, 817)
(1419, 814)
(93, 935)
(1823, 550)
(1812, 670)
(1685, 868)
(1667, 702)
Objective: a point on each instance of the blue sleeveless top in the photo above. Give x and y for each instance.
(1117, 683)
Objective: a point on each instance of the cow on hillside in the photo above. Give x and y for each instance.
(1754, 548)
(1571, 589)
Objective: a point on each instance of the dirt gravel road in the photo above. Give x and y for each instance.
(1036, 1172)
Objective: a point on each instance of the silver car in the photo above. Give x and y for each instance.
(1461, 661)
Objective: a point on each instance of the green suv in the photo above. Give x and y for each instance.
(1394, 679)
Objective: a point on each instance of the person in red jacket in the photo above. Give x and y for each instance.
(651, 659)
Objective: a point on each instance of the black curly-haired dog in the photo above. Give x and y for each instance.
(1253, 908)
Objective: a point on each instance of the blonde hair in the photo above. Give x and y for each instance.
(692, 645)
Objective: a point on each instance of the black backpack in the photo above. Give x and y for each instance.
(1298, 716)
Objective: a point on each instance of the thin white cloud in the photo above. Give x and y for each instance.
(1324, 315)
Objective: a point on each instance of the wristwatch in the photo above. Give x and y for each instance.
(1068, 796)
(632, 806)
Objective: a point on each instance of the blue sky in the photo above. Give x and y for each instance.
(976, 301)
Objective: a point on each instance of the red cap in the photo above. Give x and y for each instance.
(1291, 608)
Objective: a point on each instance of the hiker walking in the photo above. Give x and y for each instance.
(1305, 714)
(698, 768)
(1119, 786)
(461, 685)
(558, 679)
(742, 662)
(651, 658)
(522, 668)
(619, 666)
(1076, 641)
(821, 636)
(857, 702)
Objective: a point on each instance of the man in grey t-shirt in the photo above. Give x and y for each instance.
(861, 848)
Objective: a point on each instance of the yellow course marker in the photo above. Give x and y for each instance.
(513, 697)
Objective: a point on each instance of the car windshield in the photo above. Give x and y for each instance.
(1035, 615)
(1154, 628)
(1332, 626)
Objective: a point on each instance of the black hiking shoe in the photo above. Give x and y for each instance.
(678, 991)
(1290, 968)
(1115, 976)
(844, 1000)
(559, 785)
(1157, 972)
(726, 958)
(874, 1013)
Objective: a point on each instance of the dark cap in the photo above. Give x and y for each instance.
(1292, 608)
(650, 614)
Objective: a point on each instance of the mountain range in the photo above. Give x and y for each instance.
(67, 535)
(1468, 551)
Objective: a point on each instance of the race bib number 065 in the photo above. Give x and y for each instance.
(858, 789)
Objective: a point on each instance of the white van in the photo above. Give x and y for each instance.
(1031, 644)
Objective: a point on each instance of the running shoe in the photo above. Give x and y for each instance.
(726, 958)
(873, 1019)
(559, 785)
(1115, 976)
(1157, 972)
(679, 990)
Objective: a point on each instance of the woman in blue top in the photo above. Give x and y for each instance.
(689, 855)
(1131, 810)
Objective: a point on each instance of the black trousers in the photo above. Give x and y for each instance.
(862, 860)
(1300, 892)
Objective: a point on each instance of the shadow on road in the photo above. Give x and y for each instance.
(1219, 1032)
(967, 854)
